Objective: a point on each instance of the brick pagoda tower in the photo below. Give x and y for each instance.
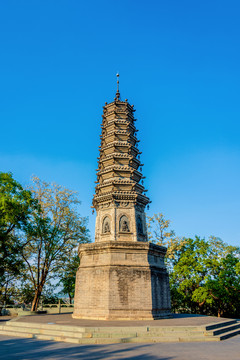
(121, 275)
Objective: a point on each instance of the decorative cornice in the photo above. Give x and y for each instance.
(117, 167)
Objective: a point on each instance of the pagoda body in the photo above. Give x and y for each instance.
(121, 275)
(119, 199)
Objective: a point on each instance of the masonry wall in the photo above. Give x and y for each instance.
(114, 214)
(122, 280)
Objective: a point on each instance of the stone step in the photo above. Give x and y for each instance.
(79, 335)
(61, 338)
(228, 334)
(123, 330)
(127, 331)
(61, 331)
(223, 330)
(25, 325)
(164, 331)
(110, 335)
(16, 333)
(110, 340)
(78, 340)
(120, 330)
(148, 334)
(103, 340)
(220, 324)
(145, 329)
(97, 337)
(168, 339)
(36, 330)
(105, 335)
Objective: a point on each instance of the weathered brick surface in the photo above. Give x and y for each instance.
(122, 280)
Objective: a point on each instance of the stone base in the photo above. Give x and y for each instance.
(122, 281)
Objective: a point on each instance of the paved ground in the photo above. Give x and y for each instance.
(28, 349)
(177, 320)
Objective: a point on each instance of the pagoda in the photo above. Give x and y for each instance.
(120, 198)
(121, 275)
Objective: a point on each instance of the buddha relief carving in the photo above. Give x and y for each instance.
(124, 224)
(106, 225)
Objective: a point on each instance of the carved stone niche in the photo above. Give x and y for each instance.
(106, 228)
(124, 224)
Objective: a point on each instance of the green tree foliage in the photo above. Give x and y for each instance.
(57, 228)
(159, 233)
(204, 274)
(16, 206)
(205, 277)
(68, 276)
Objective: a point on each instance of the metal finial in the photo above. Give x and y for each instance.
(117, 93)
(117, 82)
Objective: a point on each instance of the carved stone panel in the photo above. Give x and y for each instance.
(124, 224)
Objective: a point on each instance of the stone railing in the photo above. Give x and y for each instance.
(23, 309)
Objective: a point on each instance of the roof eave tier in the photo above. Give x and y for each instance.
(120, 147)
(118, 196)
(121, 182)
(124, 106)
(120, 159)
(118, 171)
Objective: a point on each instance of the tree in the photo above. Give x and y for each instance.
(204, 274)
(16, 206)
(25, 293)
(160, 233)
(223, 284)
(57, 228)
(189, 272)
(68, 276)
(205, 277)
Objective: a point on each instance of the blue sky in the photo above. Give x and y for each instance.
(179, 65)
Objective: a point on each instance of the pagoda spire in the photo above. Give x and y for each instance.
(117, 93)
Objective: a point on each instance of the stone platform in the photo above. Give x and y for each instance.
(66, 319)
(62, 327)
(122, 280)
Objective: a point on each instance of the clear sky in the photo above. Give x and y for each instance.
(179, 64)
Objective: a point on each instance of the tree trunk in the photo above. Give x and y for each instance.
(201, 307)
(36, 300)
(38, 292)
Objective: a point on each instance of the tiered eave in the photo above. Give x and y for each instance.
(119, 173)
